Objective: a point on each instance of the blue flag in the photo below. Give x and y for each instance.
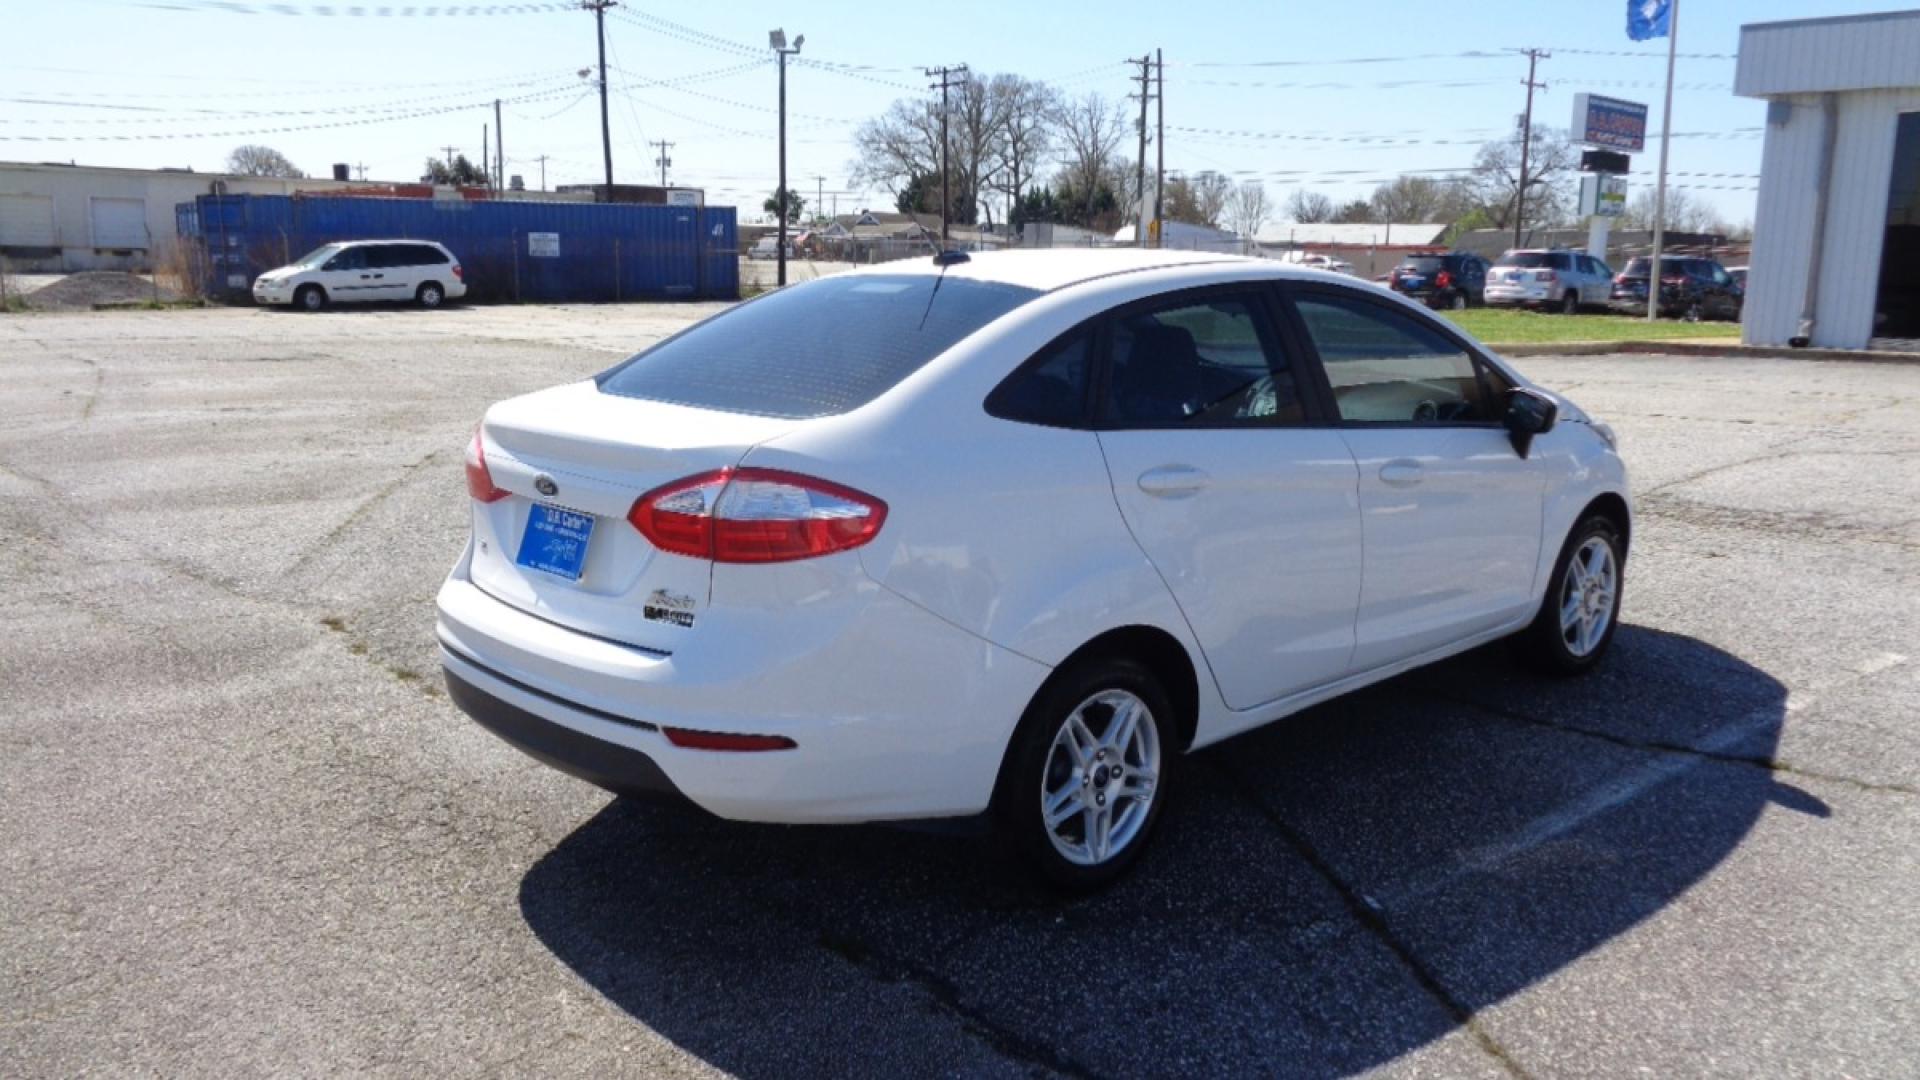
(1647, 19)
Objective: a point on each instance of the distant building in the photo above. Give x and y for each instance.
(1371, 250)
(56, 218)
(1836, 231)
(637, 194)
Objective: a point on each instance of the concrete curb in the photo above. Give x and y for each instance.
(1730, 350)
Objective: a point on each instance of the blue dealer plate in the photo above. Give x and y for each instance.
(556, 541)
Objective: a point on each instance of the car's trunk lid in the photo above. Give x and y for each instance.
(574, 449)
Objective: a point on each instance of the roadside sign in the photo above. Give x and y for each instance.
(543, 245)
(1609, 123)
(1603, 195)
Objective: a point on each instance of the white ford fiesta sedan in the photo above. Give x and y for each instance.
(1002, 537)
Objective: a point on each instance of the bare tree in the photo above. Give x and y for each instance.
(976, 130)
(1684, 212)
(1418, 199)
(255, 160)
(1248, 209)
(1309, 207)
(1027, 110)
(1090, 129)
(1495, 180)
(898, 147)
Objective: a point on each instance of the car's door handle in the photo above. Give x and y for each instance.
(1400, 473)
(1173, 481)
(364, 277)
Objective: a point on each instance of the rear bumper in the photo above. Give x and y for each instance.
(619, 769)
(1518, 294)
(895, 713)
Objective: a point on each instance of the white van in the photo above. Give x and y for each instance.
(361, 270)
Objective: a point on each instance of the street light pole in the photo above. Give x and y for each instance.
(777, 40)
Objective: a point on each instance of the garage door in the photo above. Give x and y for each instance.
(26, 221)
(119, 223)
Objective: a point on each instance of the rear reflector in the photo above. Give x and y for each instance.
(714, 740)
(479, 480)
(756, 516)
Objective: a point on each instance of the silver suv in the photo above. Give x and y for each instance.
(1556, 280)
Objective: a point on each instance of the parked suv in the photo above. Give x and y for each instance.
(1691, 288)
(357, 271)
(1556, 280)
(1453, 280)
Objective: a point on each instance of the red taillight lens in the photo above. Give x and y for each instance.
(1619, 279)
(714, 740)
(1444, 281)
(756, 516)
(458, 273)
(479, 480)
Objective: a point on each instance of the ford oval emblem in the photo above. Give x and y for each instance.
(544, 485)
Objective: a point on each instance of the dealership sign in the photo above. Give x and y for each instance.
(1610, 123)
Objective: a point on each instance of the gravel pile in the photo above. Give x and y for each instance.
(80, 292)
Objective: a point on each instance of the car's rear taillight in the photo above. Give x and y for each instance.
(479, 480)
(459, 274)
(1445, 280)
(756, 516)
(1619, 279)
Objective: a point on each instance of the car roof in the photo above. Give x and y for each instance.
(1050, 269)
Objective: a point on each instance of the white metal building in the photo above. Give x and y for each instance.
(80, 217)
(1836, 239)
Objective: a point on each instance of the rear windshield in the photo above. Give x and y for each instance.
(1536, 259)
(1670, 264)
(818, 349)
(1422, 264)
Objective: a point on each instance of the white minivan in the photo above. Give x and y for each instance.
(357, 271)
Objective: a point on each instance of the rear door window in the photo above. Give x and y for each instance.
(819, 349)
(425, 255)
(1210, 362)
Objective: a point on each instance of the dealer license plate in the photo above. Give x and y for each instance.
(556, 541)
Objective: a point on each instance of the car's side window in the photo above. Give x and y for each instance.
(1051, 388)
(1199, 363)
(431, 256)
(1384, 367)
(354, 258)
(384, 257)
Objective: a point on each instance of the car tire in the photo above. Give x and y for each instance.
(1693, 312)
(1581, 610)
(1570, 303)
(1066, 751)
(429, 295)
(310, 298)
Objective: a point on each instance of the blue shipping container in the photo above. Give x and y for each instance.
(535, 251)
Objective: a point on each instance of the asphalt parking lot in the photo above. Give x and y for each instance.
(242, 830)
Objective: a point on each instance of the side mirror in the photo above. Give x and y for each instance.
(1529, 413)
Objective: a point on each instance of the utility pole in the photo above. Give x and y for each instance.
(542, 159)
(819, 196)
(486, 159)
(1159, 142)
(947, 82)
(361, 168)
(599, 9)
(1534, 56)
(777, 41)
(449, 159)
(499, 150)
(663, 160)
(1145, 79)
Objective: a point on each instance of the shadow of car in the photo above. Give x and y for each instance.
(1331, 892)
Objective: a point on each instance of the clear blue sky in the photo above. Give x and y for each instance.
(180, 82)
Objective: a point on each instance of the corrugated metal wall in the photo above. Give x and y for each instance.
(1856, 220)
(1851, 52)
(604, 252)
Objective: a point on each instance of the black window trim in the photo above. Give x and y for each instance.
(1489, 376)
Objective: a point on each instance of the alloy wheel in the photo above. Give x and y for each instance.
(1587, 596)
(1101, 774)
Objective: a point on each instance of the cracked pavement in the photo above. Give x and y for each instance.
(245, 832)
